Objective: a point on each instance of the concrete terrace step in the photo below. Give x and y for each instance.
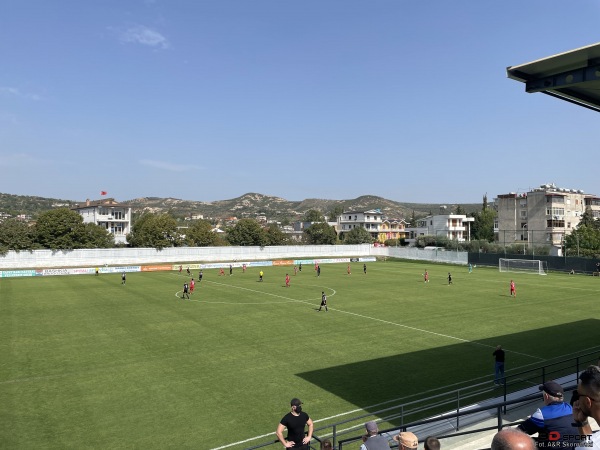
(482, 440)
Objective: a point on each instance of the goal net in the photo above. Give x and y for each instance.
(523, 265)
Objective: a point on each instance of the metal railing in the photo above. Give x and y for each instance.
(416, 412)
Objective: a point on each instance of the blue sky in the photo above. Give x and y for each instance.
(208, 100)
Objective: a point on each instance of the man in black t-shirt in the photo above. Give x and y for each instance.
(499, 366)
(295, 421)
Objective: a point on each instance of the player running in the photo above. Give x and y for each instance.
(287, 280)
(365, 269)
(323, 301)
(348, 270)
(200, 275)
(449, 278)
(192, 286)
(186, 291)
(426, 277)
(123, 278)
(513, 289)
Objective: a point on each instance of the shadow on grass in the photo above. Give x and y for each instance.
(372, 381)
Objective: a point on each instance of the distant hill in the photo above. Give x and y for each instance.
(248, 205)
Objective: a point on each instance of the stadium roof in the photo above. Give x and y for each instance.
(573, 76)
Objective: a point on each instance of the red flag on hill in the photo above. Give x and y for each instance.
(103, 192)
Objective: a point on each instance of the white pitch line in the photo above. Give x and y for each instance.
(288, 299)
(380, 320)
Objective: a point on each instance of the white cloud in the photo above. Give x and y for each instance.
(140, 34)
(14, 92)
(168, 166)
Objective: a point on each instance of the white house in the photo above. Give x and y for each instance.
(109, 214)
(370, 220)
(450, 226)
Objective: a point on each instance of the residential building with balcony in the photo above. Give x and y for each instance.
(392, 229)
(542, 216)
(370, 220)
(109, 214)
(450, 226)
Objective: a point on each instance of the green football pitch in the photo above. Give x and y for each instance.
(86, 362)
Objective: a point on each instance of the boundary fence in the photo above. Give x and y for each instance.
(556, 263)
(38, 259)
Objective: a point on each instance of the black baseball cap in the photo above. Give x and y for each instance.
(552, 388)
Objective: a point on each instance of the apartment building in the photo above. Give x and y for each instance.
(542, 216)
(370, 220)
(109, 214)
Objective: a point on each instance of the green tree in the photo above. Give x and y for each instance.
(459, 210)
(335, 212)
(320, 234)
(276, 237)
(15, 235)
(483, 226)
(585, 239)
(60, 229)
(358, 235)
(588, 219)
(155, 231)
(313, 216)
(200, 234)
(247, 232)
(96, 236)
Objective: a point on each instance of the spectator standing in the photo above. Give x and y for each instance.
(372, 440)
(499, 365)
(406, 440)
(555, 416)
(295, 421)
(512, 439)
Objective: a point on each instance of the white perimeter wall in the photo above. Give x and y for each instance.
(38, 259)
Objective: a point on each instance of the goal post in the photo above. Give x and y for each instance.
(534, 266)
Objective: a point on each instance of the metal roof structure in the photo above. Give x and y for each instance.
(573, 76)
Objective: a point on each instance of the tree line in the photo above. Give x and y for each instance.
(63, 229)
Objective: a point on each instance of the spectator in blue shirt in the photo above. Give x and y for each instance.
(554, 421)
